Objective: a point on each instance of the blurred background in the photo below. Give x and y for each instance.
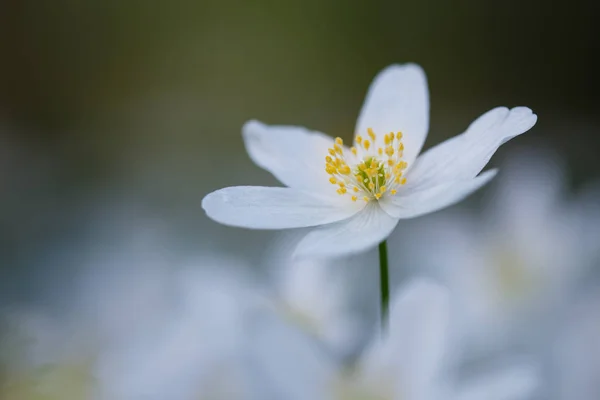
(117, 117)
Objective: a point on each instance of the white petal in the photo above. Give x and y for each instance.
(285, 364)
(514, 383)
(398, 100)
(359, 233)
(294, 155)
(413, 348)
(413, 204)
(465, 155)
(275, 208)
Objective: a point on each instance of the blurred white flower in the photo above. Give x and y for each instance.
(114, 296)
(512, 269)
(314, 295)
(197, 353)
(576, 362)
(356, 196)
(407, 362)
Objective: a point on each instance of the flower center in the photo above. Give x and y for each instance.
(367, 172)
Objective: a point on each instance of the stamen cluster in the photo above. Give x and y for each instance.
(367, 172)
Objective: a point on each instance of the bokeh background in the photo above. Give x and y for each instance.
(116, 115)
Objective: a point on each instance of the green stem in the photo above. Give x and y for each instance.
(384, 282)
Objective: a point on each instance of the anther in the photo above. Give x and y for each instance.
(339, 141)
(354, 198)
(353, 150)
(344, 169)
(333, 180)
(371, 134)
(393, 191)
(359, 139)
(366, 144)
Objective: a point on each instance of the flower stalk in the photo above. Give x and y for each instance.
(384, 283)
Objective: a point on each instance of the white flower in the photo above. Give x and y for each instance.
(514, 267)
(197, 353)
(406, 363)
(355, 196)
(314, 295)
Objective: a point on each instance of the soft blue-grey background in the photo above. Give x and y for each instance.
(121, 114)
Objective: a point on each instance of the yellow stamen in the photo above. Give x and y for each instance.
(371, 134)
(374, 172)
(344, 170)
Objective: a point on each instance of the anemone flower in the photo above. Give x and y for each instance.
(355, 196)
